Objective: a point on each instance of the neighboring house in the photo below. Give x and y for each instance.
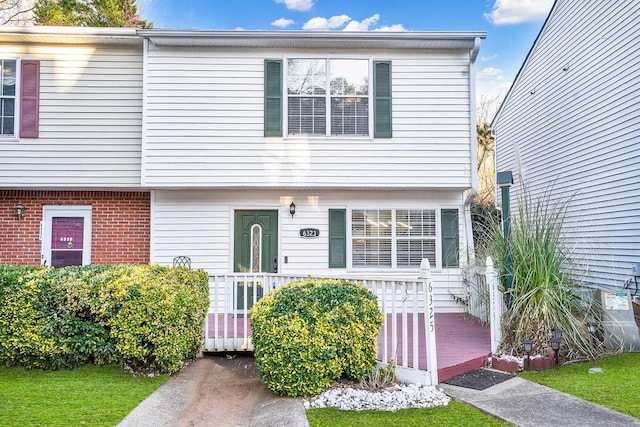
(570, 126)
(70, 147)
(369, 137)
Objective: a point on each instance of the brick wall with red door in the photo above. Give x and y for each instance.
(120, 224)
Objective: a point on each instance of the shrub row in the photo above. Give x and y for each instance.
(306, 334)
(148, 318)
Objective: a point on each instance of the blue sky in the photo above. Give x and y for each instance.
(511, 25)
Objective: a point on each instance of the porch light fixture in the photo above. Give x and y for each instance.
(18, 210)
(528, 348)
(292, 209)
(555, 345)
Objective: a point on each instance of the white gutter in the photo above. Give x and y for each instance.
(314, 39)
(473, 190)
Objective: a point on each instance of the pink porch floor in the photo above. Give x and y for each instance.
(462, 343)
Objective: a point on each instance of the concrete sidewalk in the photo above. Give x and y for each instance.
(525, 403)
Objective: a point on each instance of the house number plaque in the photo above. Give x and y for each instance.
(309, 233)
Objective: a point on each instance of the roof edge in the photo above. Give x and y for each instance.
(406, 39)
(69, 35)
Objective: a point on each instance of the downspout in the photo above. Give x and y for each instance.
(473, 190)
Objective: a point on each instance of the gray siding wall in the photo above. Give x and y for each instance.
(90, 119)
(571, 126)
(204, 125)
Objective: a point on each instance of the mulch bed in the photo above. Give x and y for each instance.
(479, 379)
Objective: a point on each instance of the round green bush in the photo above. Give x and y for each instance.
(306, 334)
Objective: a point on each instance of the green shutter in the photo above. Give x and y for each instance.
(450, 238)
(337, 238)
(382, 99)
(272, 98)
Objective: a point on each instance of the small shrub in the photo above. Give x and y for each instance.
(308, 333)
(380, 377)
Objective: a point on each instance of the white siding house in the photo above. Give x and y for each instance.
(370, 135)
(335, 154)
(570, 126)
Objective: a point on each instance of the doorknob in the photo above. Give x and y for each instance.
(275, 265)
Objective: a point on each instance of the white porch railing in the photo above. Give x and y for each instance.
(407, 334)
(496, 304)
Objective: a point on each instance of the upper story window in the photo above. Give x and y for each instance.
(7, 97)
(328, 94)
(328, 97)
(19, 100)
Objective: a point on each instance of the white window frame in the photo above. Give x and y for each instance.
(16, 106)
(327, 95)
(394, 237)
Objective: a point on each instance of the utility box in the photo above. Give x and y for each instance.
(618, 322)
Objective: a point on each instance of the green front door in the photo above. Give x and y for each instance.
(255, 251)
(256, 242)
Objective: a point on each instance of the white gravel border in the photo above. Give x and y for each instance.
(401, 396)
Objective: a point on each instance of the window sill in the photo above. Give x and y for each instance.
(329, 137)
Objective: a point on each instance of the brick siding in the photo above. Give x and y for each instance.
(120, 224)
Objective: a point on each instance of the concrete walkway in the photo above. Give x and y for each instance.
(525, 403)
(216, 392)
(220, 392)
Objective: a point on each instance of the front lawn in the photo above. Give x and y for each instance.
(89, 395)
(616, 387)
(454, 414)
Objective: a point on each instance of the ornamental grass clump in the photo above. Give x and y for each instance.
(544, 295)
(306, 334)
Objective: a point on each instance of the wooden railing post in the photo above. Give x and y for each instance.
(495, 305)
(430, 321)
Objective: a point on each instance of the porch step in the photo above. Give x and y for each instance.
(461, 368)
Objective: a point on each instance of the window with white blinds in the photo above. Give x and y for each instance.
(328, 97)
(372, 238)
(415, 237)
(7, 97)
(393, 237)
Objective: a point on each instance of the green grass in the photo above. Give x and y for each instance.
(454, 414)
(616, 387)
(89, 395)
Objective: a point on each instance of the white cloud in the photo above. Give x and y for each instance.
(490, 73)
(395, 27)
(507, 12)
(362, 25)
(282, 22)
(338, 21)
(319, 23)
(301, 5)
(487, 58)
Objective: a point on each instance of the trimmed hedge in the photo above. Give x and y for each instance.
(148, 318)
(306, 334)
